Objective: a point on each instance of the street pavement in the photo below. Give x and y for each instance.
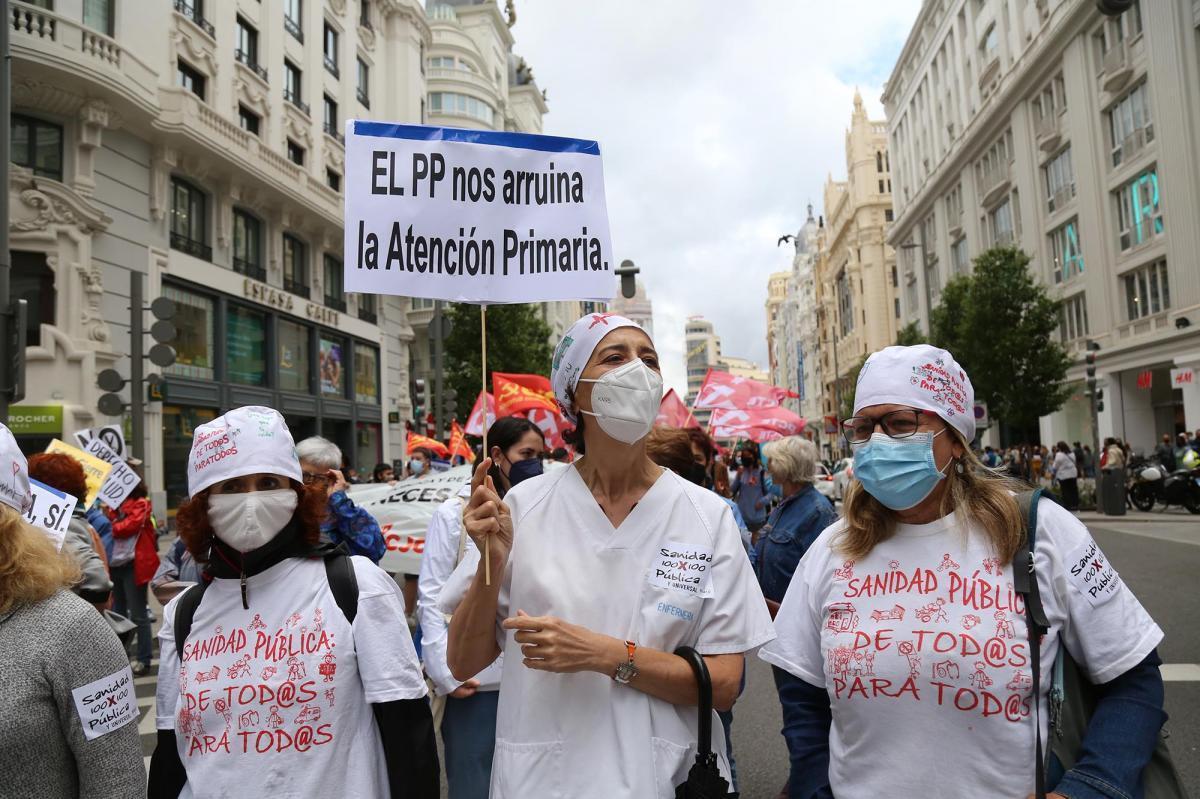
(1158, 556)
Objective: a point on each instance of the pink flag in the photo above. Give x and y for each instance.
(723, 390)
(672, 412)
(552, 425)
(759, 424)
(476, 423)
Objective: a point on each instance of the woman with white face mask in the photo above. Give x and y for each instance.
(290, 666)
(904, 624)
(598, 573)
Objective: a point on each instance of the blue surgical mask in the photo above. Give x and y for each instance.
(520, 471)
(416, 467)
(900, 473)
(771, 487)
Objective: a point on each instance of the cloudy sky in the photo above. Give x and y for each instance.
(718, 123)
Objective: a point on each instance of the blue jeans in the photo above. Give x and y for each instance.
(469, 737)
(129, 599)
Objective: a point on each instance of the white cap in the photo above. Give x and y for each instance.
(14, 473)
(922, 377)
(244, 441)
(572, 354)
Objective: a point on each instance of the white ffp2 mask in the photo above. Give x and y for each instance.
(625, 401)
(250, 520)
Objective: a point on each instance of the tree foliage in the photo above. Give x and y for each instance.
(518, 341)
(1001, 327)
(910, 334)
(847, 408)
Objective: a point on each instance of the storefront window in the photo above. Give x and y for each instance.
(293, 357)
(368, 451)
(366, 374)
(333, 378)
(246, 334)
(178, 424)
(194, 342)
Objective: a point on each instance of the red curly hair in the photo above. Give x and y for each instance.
(192, 522)
(59, 471)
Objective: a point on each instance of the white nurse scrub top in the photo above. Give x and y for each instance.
(673, 573)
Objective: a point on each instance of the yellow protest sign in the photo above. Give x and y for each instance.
(95, 470)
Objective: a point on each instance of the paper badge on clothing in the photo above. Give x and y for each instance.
(107, 704)
(1092, 574)
(683, 567)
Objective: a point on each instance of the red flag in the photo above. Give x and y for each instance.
(552, 425)
(672, 412)
(477, 422)
(522, 393)
(759, 424)
(432, 444)
(458, 443)
(723, 390)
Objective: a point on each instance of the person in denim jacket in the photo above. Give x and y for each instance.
(346, 523)
(788, 533)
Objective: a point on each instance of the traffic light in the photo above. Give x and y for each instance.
(1099, 399)
(418, 397)
(449, 403)
(161, 353)
(163, 332)
(627, 272)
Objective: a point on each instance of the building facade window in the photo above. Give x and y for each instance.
(954, 207)
(1059, 175)
(248, 120)
(421, 304)
(295, 266)
(368, 308)
(333, 180)
(245, 346)
(37, 146)
(1051, 100)
(33, 281)
(189, 219)
(335, 295)
(364, 14)
(189, 78)
(1130, 124)
(294, 348)
(293, 84)
(1147, 290)
(331, 117)
(960, 259)
(845, 303)
(98, 15)
(366, 373)
(1139, 214)
(1073, 322)
(330, 50)
(293, 18)
(465, 105)
(1000, 228)
(1065, 253)
(331, 366)
(363, 83)
(247, 43)
(193, 342)
(247, 245)
(295, 152)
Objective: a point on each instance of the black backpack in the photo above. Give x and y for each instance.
(342, 583)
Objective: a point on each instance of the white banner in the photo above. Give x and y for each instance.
(50, 511)
(475, 216)
(120, 481)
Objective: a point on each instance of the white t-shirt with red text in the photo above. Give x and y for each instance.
(275, 700)
(923, 649)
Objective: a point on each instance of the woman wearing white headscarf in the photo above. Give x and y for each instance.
(908, 636)
(598, 573)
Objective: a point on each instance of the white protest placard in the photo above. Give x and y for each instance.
(106, 704)
(112, 436)
(474, 216)
(120, 481)
(50, 511)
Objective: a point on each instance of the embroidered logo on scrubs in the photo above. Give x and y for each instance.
(682, 567)
(1092, 574)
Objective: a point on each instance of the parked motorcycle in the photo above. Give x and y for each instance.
(1151, 483)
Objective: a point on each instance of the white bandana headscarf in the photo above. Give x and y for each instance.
(244, 441)
(922, 377)
(572, 354)
(14, 473)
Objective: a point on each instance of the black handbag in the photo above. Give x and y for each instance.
(1072, 696)
(704, 780)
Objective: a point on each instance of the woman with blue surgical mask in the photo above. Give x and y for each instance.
(468, 721)
(904, 625)
(598, 572)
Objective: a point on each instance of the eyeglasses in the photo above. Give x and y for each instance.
(895, 424)
(310, 478)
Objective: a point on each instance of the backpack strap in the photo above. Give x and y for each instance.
(342, 583)
(1036, 624)
(185, 611)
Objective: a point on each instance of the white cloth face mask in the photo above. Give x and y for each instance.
(250, 520)
(626, 400)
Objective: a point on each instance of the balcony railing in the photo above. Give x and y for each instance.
(1132, 144)
(1117, 67)
(363, 98)
(335, 134)
(368, 316)
(250, 62)
(249, 269)
(1060, 198)
(193, 13)
(336, 303)
(296, 101)
(293, 27)
(994, 181)
(294, 286)
(331, 67)
(1048, 130)
(192, 247)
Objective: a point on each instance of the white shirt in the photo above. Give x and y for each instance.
(437, 564)
(275, 700)
(923, 649)
(584, 735)
(1064, 466)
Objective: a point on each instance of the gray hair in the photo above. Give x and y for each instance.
(791, 459)
(320, 452)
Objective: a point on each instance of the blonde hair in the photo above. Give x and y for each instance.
(30, 569)
(791, 459)
(976, 494)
